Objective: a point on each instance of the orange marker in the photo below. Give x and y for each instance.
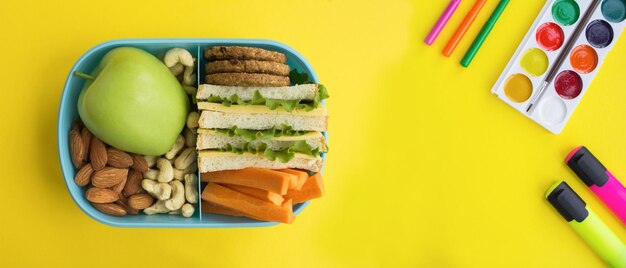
(460, 32)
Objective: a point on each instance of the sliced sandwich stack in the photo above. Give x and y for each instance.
(256, 131)
(252, 117)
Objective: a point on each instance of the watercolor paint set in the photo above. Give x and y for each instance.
(555, 64)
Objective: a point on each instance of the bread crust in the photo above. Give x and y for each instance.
(243, 53)
(296, 92)
(231, 161)
(221, 120)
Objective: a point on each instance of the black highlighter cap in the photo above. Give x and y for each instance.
(587, 167)
(568, 203)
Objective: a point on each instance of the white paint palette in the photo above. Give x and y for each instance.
(547, 38)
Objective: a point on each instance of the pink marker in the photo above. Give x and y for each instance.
(599, 180)
(443, 20)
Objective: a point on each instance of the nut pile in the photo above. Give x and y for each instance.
(113, 176)
(171, 178)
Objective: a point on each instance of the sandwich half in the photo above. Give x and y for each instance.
(259, 117)
(216, 139)
(209, 161)
(263, 127)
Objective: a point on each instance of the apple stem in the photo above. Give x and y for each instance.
(83, 75)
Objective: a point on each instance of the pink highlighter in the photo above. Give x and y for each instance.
(443, 20)
(599, 180)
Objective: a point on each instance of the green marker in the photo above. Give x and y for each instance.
(587, 224)
(480, 38)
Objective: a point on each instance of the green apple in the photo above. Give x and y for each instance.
(133, 102)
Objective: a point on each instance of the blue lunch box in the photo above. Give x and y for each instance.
(68, 112)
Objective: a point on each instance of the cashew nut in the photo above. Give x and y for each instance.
(151, 174)
(180, 142)
(190, 138)
(160, 190)
(192, 120)
(189, 78)
(186, 158)
(179, 174)
(176, 55)
(151, 160)
(190, 90)
(166, 172)
(187, 210)
(175, 212)
(157, 207)
(191, 169)
(191, 188)
(177, 69)
(178, 196)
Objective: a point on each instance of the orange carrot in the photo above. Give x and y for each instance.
(296, 184)
(212, 208)
(264, 195)
(216, 209)
(288, 204)
(313, 188)
(250, 206)
(261, 178)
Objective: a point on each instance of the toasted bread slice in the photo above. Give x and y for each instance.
(247, 66)
(243, 53)
(247, 80)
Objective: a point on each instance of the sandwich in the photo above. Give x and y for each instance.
(257, 113)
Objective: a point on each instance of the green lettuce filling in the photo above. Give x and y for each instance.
(283, 156)
(297, 78)
(250, 135)
(287, 105)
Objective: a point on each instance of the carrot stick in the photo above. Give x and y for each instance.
(250, 206)
(261, 178)
(212, 208)
(288, 204)
(264, 195)
(313, 188)
(296, 184)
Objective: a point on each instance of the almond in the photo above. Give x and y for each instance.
(76, 126)
(86, 135)
(139, 163)
(119, 159)
(97, 153)
(110, 209)
(83, 176)
(120, 186)
(123, 201)
(77, 149)
(140, 201)
(100, 195)
(108, 177)
(133, 183)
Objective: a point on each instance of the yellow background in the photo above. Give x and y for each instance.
(426, 169)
